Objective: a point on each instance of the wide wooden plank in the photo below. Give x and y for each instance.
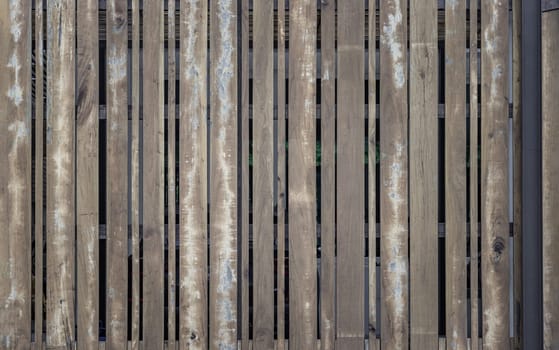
(87, 170)
(60, 173)
(494, 174)
(117, 174)
(550, 205)
(223, 174)
(302, 175)
(153, 177)
(263, 176)
(15, 175)
(349, 167)
(328, 177)
(423, 175)
(193, 177)
(393, 175)
(455, 174)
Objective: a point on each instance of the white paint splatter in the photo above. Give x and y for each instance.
(15, 14)
(390, 38)
(15, 92)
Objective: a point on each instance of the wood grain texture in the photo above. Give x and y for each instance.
(494, 174)
(455, 175)
(423, 175)
(87, 171)
(550, 175)
(349, 167)
(394, 175)
(15, 175)
(302, 176)
(263, 176)
(60, 174)
(153, 175)
(223, 175)
(328, 178)
(117, 174)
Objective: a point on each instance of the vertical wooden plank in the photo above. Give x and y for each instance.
(474, 176)
(423, 175)
(550, 146)
(455, 174)
(349, 165)
(223, 181)
(15, 176)
(302, 175)
(263, 177)
(171, 169)
(117, 174)
(328, 177)
(135, 175)
(394, 175)
(193, 176)
(87, 170)
(494, 174)
(153, 181)
(60, 173)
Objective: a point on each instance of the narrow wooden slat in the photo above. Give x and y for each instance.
(153, 178)
(15, 175)
(302, 173)
(135, 177)
(328, 176)
(455, 174)
(423, 175)
(349, 168)
(550, 146)
(87, 170)
(394, 175)
(223, 174)
(60, 173)
(263, 176)
(117, 175)
(494, 174)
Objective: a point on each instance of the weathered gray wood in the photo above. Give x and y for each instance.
(302, 173)
(223, 174)
(494, 174)
(394, 175)
(87, 172)
(423, 175)
(60, 173)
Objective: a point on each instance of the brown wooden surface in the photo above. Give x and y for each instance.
(550, 175)
(455, 175)
(87, 174)
(302, 173)
(494, 174)
(223, 175)
(153, 178)
(15, 175)
(393, 175)
(60, 174)
(423, 175)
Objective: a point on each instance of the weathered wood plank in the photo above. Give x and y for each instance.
(423, 175)
(550, 147)
(455, 174)
(153, 177)
(60, 173)
(302, 173)
(87, 171)
(349, 166)
(117, 174)
(328, 178)
(15, 175)
(223, 175)
(263, 176)
(494, 174)
(394, 175)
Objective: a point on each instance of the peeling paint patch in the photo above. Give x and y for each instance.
(15, 19)
(389, 37)
(15, 92)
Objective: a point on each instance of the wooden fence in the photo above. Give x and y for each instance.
(262, 174)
